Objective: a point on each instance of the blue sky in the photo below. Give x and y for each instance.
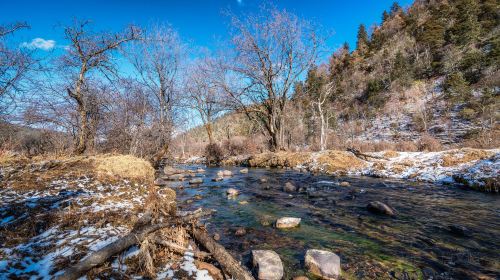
(198, 21)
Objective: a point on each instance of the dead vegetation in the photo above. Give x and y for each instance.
(460, 156)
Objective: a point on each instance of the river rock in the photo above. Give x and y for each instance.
(344, 184)
(176, 177)
(217, 179)
(380, 208)
(460, 230)
(216, 237)
(196, 181)
(268, 265)
(240, 231)
(226, 173)
(232, 192)
(169, 170)
(289, 187)
(160, 182)
(244, 171)
(200, 170)
(263, 180)
(287, 222)
(300, 278)
(324, 264)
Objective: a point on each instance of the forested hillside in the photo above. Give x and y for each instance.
(426, 78)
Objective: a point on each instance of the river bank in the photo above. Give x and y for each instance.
(474, 168)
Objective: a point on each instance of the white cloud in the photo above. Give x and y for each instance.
(39, 43)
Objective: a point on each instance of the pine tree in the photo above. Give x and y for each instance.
(488, 15)
(467, 27)
(385, 16)
(395, 9)
(456, 88)
(363, 41)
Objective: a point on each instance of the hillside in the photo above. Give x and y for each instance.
(426, 78)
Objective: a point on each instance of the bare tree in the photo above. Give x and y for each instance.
(325, 92)
(204, 95)
(14, 64)
(157, 58)
(272, 51)
(89, 52)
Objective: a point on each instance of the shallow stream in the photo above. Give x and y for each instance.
(441, 232)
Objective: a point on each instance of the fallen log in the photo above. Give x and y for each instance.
(179, 249)
(219, 253)
(134, 237)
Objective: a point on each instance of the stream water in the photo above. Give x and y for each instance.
(425, 239)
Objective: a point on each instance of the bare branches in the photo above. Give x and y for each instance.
(272, 51)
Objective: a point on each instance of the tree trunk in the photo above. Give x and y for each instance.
(208, 127)
(81, 145)
(227, 262)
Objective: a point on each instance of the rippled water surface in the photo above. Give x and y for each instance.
(422, 240)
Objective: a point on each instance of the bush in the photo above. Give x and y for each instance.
(213, 154)
(468, 114)
(428, 143)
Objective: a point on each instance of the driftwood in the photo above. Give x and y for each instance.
(135, 236)
(219, 253)
(361, 155)
(179, 249)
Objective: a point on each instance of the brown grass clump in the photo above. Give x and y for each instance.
(391, 154)
(334, 161)
(456, 157)
(123, 166)
(280, 159)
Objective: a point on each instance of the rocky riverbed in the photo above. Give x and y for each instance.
(379, 228)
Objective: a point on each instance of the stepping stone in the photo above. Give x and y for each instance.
(268, 265)
(324, 264)
(287, 222)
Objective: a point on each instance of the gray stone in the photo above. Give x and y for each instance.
(176, 177)
(232, 192)
(289, 187)
(287, 222)
(244, 171)
(217, 179)
(196, 181)
(323, 263)
(226, 173)
(268, 265)
(380, 208)
(200, 170)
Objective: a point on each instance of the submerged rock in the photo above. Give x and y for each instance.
(196, 181)
(240, 231)
(460, 230)
(200, 170)
(344, 184)
(287, 222)
(176, 177)
(323, 263)
(217, 179)
(232, 192)
(226, 173)
(289, 187)
(268, 265)
(263, 180)
(244, 171)
(380, 208)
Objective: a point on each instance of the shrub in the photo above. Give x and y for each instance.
(428, 143)
(123, 166)
(468, 114)
(213, 154)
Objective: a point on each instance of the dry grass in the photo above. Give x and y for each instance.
(456, 157)
(280, 159)
(391, 154)
(335, 161)
(123, 166)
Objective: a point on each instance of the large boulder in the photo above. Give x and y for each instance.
(324, 264)
(380, 208)
(289, 187)
(267, 264)
(287, 222)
